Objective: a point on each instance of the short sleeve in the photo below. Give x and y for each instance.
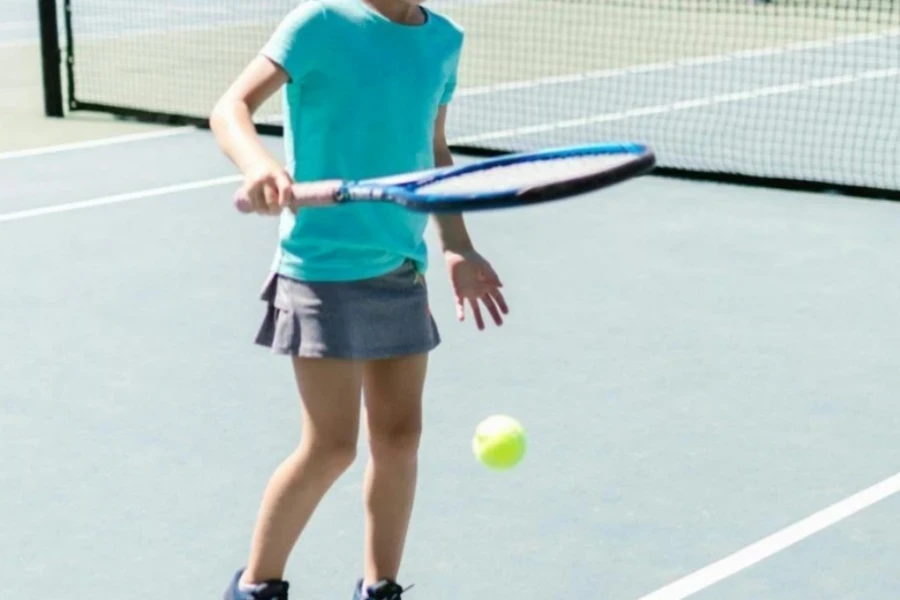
(293, 45)
(453, 74)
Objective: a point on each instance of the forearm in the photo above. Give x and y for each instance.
(451, 228)
(232, 125)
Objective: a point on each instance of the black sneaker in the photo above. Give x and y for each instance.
(274, 589)
(383, 590)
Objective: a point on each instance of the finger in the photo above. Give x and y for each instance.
(266, 193)
(492, 309)
(285, 191)
(270, 192)
(241, 202)
(497, 296)
(257, 198)
(476, 313)
(460, 310)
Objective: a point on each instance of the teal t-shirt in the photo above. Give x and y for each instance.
(361, 102)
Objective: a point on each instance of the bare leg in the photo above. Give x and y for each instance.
(393, 396)
(330, 394)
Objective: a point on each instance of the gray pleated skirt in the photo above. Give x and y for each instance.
(382, 317)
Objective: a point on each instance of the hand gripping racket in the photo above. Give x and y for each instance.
(503, 182)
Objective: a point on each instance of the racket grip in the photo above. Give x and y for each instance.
(319, 193)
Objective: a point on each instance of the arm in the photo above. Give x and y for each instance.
(232, 117)
(268, 186)
(289, 55)
(451, 228)
(473, 279)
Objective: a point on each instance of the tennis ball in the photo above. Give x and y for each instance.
(499, 442)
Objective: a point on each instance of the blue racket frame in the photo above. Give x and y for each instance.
(405, 193)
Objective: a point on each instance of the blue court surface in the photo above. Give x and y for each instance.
(708, 375)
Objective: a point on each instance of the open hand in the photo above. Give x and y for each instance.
(475, 283)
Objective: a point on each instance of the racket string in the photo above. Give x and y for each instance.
(525, 175)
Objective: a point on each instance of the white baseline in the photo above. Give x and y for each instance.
(766, 547)
(95, 143)
(118, 198)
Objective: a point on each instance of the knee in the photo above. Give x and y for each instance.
(398, 442)
(331, 457)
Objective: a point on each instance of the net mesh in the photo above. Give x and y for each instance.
(526, 175)
(792, 89)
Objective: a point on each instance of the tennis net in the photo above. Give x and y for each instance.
(796, 90)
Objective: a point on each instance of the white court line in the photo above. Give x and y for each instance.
(109, 141)
(118, 198)
(519, 131)
(766, 547)
(659, 109)
(663, 66)
(638, 112)
(513, 85)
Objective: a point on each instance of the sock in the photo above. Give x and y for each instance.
(249, 587)
(276, 586)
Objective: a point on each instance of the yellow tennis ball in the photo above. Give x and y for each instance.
(499, 442)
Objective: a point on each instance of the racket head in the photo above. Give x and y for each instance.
(515, 180)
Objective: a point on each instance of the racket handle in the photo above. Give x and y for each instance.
(319, 193)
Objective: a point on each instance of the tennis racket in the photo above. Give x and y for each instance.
(503, 182)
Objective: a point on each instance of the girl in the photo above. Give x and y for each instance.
(365, 86)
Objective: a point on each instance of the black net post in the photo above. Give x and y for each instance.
(50, 58)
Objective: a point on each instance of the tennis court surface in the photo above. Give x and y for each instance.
(707, 371)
